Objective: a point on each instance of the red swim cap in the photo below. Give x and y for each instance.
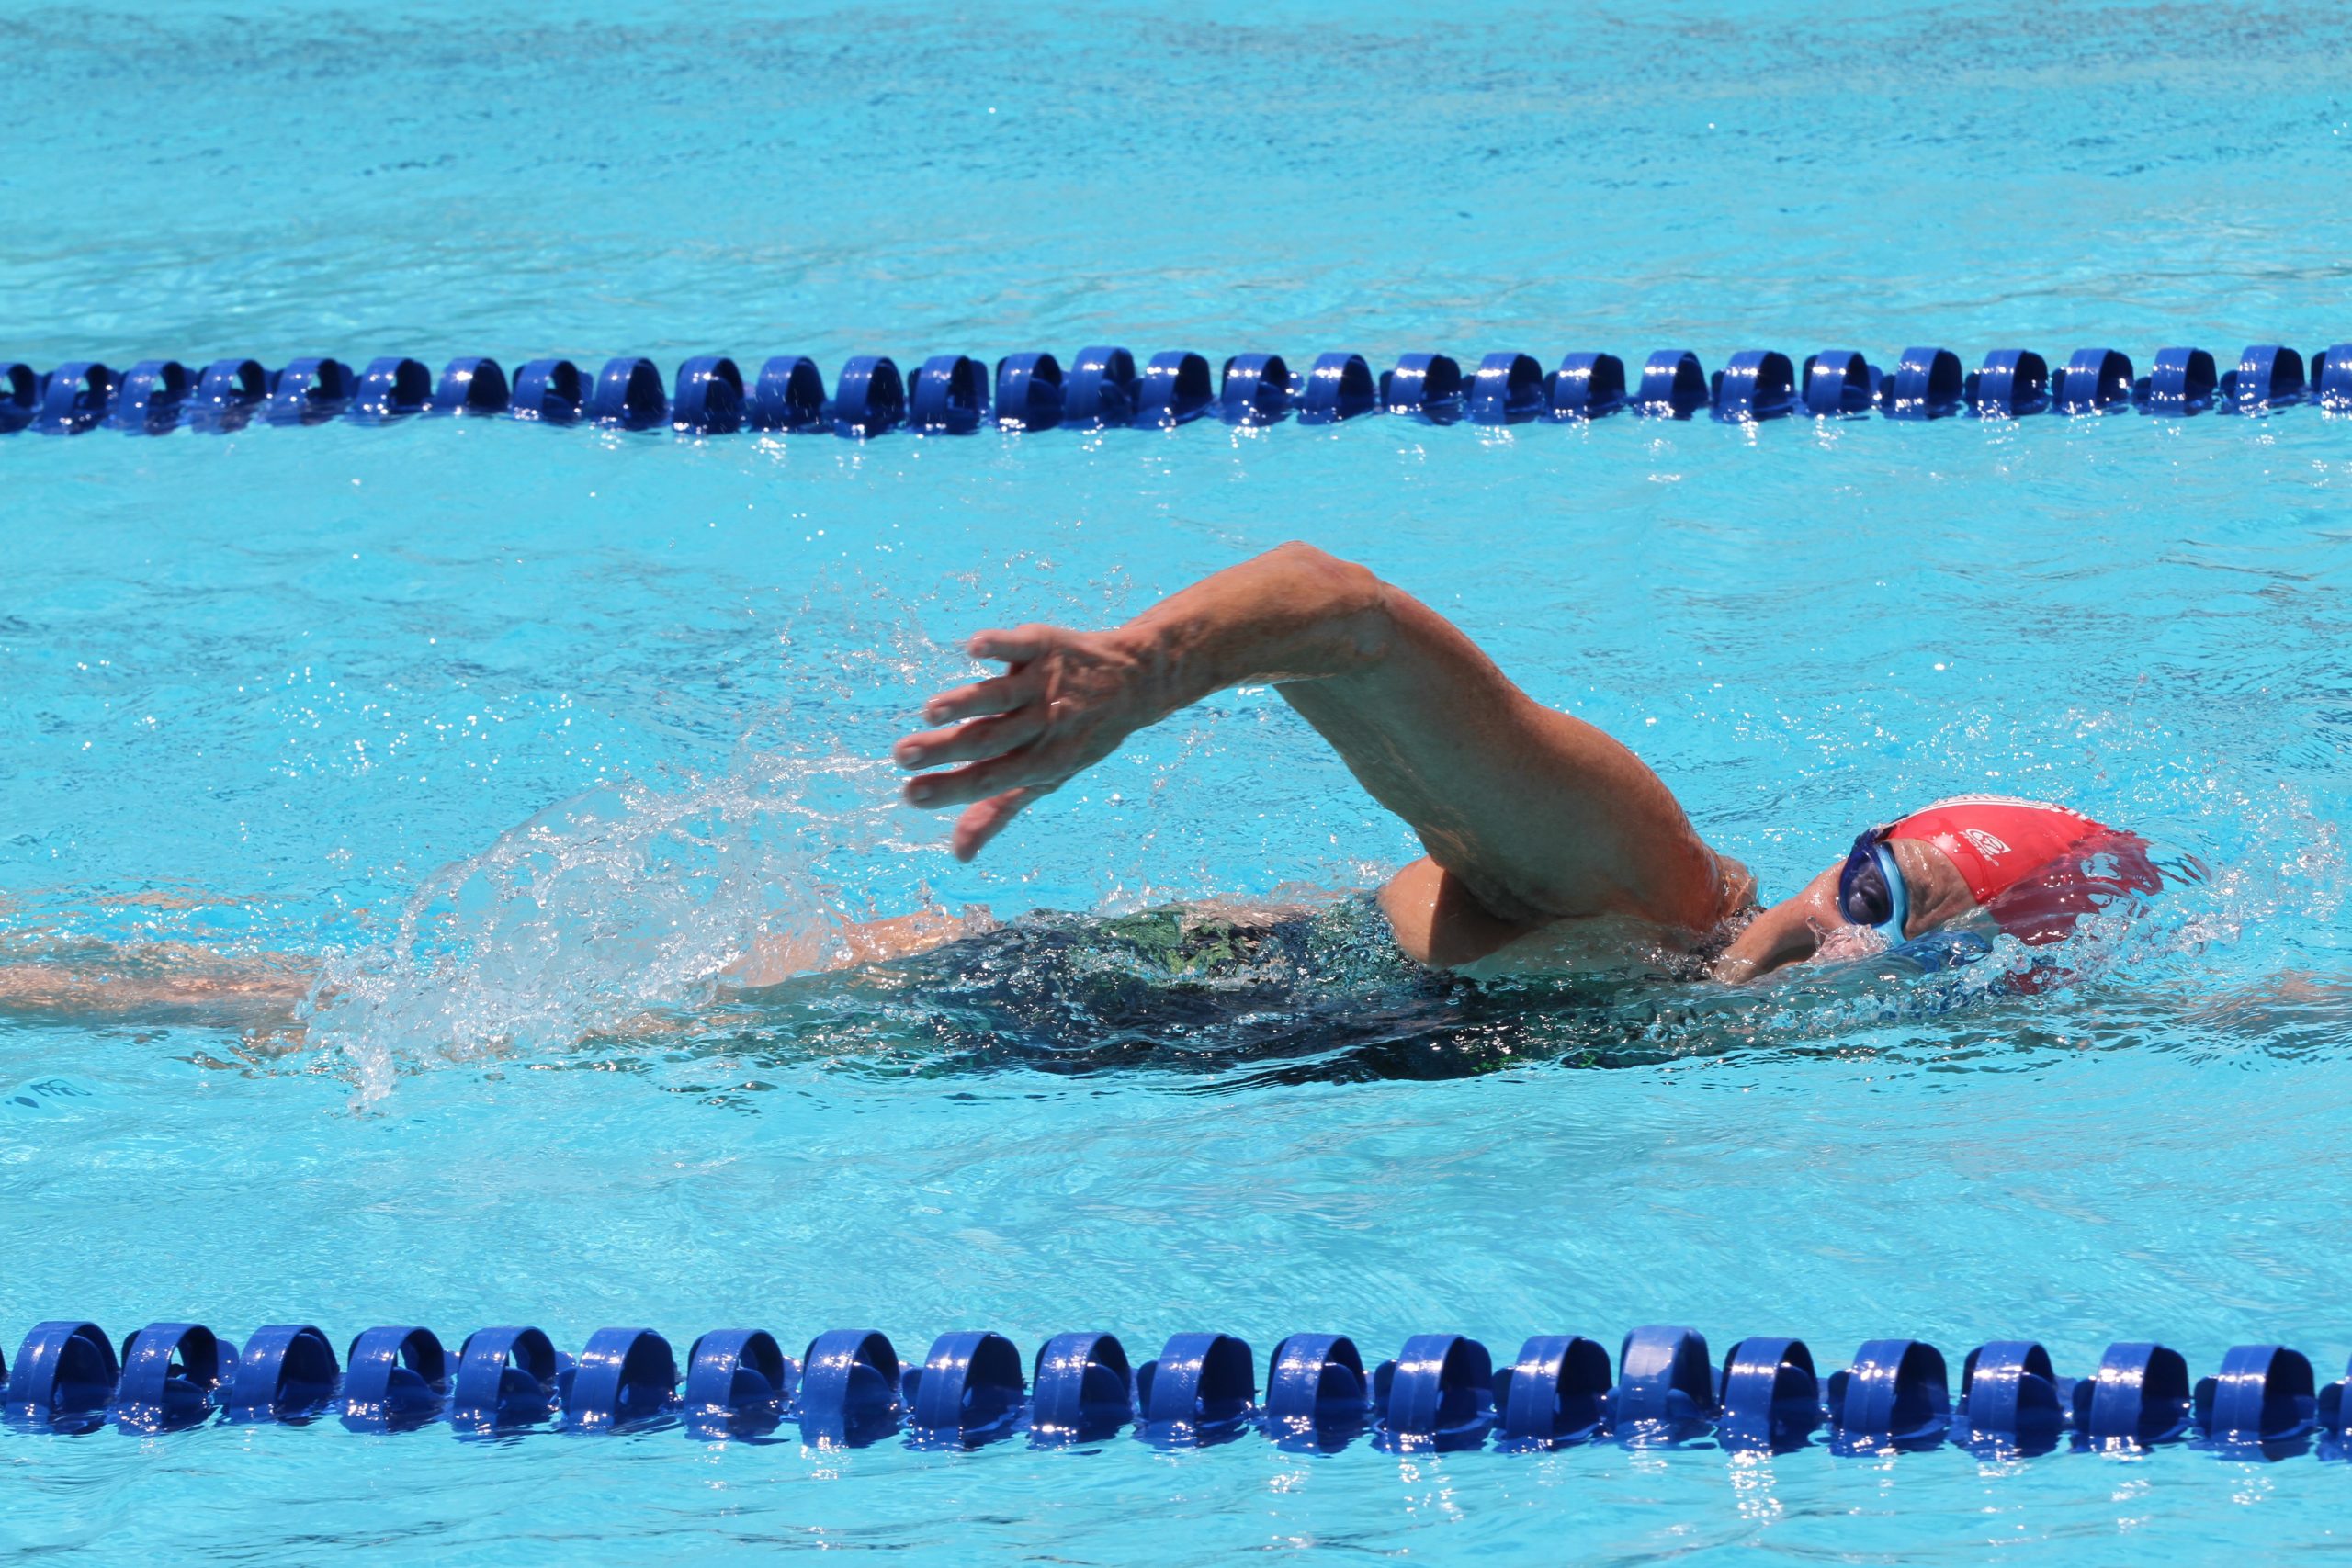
(2035, 868)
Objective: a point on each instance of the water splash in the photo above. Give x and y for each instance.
(601, 915)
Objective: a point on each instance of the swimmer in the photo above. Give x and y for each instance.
(1552, 849)
(1550, 845)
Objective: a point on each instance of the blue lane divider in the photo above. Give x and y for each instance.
(1174, 389)
(74, 398)
(2011, 384)
(471, 387)
(2140, 1397)
(788, 396)
(507, 1377)
(228, 394)
(2095, 380)
(1673, 385)
(623, 1376)
(2332, 378)
(968, 1391)
(66, 1378)
(1438, 1394)
(1926, 383)
(739, 1384)
(391, 389)
(1029, 391)
(1427, 387)
(1770, 1396)
(1083, 1390)
(148, 401)
(2179, 381)
(1441, 1392)
(1255, 389)
(1508, 389)
(2262, 1398)
(628, 395)
(2010, 1399)
(709, 396)
(1317, 1396)
(308, 391)
(394, 1378)
(173, 1376)
(869, 400)
(2332, 1409)
(1102, 387)
(850, 1388)
(1756, 385)
(1666, 1391)
(950, 396)
(19, 397)
(1555, 1394)
(1201, 1388)
(2269, 376)
(1838, 384)
(287, 1373)
(1338, 387)
(1585, 387)
(1894, 1396)
(548, 389)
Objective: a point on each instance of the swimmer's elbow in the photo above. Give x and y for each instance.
(1352, 611)
(1332, 580)
(1311, 558)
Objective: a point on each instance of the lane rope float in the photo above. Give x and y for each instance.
(1441, 1392)
(955, 394)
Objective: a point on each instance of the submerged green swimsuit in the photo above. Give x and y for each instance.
(1182, 945)
(1170, 946)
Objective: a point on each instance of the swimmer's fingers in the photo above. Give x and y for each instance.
(985, 821)
(999, 694)
(974, 742)
(1016, 646)
(961, 786)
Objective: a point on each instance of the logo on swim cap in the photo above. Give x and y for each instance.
(1986, 843)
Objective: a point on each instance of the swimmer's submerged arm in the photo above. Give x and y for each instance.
(1534, 814)
(1789, 932)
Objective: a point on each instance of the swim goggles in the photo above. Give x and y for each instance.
(1871, 890)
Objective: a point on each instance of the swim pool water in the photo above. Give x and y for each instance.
(285, 678)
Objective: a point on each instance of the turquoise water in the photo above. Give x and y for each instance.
(520, 734)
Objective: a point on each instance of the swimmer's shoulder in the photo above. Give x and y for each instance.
(1436, 922)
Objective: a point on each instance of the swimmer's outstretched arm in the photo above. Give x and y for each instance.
(1529, 815)
(163, 983)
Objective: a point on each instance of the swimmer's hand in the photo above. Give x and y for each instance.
(1065, 702)
(1068, 698)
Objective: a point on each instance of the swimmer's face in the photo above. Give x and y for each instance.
(1819, 924)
